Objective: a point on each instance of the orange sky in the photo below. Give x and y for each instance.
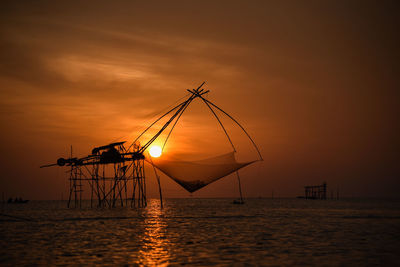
(315, 84)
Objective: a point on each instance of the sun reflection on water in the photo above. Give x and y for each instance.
(155, 245)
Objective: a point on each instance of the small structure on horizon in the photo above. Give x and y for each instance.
(315, 191)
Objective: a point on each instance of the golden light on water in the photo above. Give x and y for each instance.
(155, 246)
(155, 151)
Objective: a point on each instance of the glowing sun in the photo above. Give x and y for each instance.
(155, 151)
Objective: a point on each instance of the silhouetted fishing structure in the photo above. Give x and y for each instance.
(108, 170)
(315, 191)
(116, 176)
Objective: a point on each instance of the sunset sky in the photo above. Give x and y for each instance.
(314, 82)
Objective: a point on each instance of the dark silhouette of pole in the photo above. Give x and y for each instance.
(240, 187)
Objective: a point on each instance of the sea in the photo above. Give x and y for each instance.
(204, 232)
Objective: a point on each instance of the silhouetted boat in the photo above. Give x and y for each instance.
(17, 201)
(238, 201)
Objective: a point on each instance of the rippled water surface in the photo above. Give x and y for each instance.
(204, 232)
